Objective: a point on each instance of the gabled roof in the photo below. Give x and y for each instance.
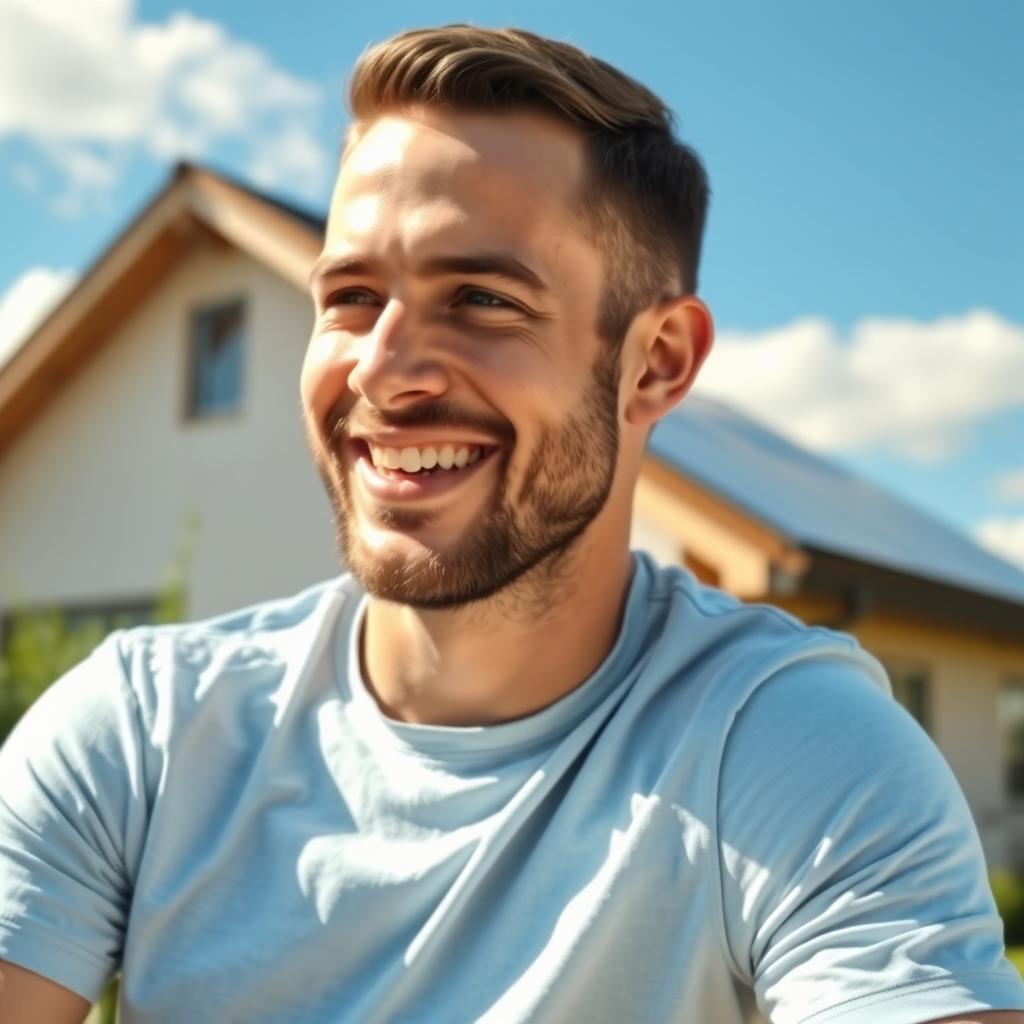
(818, 505)
(195, 204)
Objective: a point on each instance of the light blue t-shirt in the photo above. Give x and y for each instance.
(732, 802)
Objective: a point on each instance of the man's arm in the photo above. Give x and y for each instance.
(29, 998)
(73, 818)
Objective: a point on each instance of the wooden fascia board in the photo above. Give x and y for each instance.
(259, 229)
(95, 285)
(114, 286)
(778, 549)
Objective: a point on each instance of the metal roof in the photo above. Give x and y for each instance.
(817, 504)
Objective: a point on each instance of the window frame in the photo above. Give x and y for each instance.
(190, 412)
(903, 671)
(1007, 765)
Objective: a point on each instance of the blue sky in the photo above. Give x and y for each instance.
(865, 249)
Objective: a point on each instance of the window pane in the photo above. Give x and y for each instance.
(1011, 728)
(218, 336)
(912, 688)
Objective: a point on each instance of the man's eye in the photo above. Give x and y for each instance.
(476, 297)
(349, 297)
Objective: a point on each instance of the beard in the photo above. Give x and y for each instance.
(565, 485)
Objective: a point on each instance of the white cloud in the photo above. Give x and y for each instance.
(294, 157)
(90, 85)
(1004, 537)
(27, 302)
(1009, 486)
(914, 388)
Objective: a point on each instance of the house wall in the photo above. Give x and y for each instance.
(96, 494)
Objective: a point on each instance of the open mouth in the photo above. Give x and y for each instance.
(418, 472)
(427, 460)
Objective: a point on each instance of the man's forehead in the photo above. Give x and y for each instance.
(508, 180)
(518, 151)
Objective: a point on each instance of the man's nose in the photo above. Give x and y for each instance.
(395, 363)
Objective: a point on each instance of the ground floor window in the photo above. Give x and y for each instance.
(1011, 730)
(911, 686)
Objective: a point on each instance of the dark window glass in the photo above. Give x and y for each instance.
(217, 342)
(912, 688)
(1011, 728)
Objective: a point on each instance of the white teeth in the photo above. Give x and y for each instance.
(411, 460)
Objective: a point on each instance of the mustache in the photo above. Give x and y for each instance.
(340, 423)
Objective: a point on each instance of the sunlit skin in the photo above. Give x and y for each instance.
(405, 322)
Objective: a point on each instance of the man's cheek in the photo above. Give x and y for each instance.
(323, 380)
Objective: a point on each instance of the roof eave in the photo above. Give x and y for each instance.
(195, 203)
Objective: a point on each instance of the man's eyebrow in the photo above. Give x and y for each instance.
(494, 264)
(329, 266)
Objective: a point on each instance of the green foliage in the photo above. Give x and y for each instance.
(172, 600)
(1015, 954)
(40, 646)
(105, 1011)
(1008, 890)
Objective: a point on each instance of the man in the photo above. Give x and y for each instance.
(505, 771)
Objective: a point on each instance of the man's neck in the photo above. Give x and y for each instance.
(499, 659)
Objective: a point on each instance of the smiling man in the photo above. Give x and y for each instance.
(503, 770)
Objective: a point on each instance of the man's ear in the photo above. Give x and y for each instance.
(675, 340)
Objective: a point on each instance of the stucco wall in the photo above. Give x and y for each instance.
(95, 495)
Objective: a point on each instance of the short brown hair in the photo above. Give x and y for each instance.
(646, 195)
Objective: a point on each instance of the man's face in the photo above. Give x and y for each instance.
(460, 407)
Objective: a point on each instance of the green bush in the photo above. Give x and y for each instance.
(41, 645)
(1008, 890)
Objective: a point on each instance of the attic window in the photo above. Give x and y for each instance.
(216, 344)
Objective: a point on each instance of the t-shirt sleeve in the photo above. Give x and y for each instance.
(72, 824)
(853, 881)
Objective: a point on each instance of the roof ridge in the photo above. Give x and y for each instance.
(182, 168)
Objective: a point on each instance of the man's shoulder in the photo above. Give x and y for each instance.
(260, 641)
(704, 630)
